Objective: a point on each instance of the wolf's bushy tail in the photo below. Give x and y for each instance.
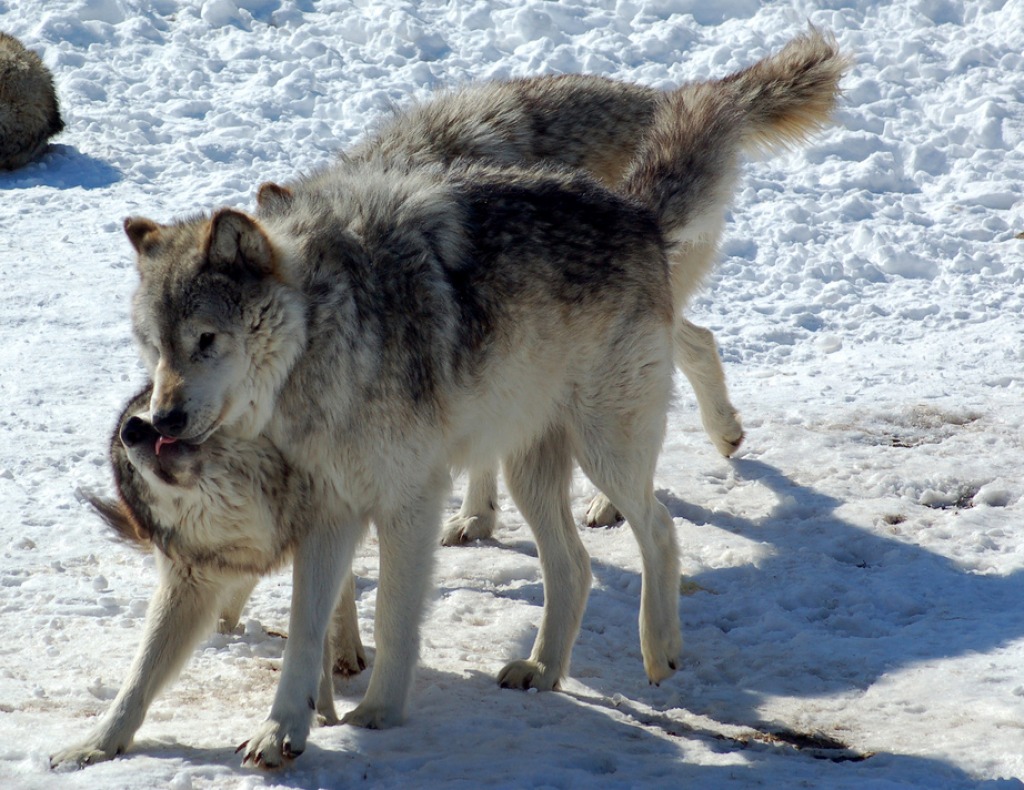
(119, 518)
(687, 166)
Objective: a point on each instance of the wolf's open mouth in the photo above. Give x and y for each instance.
(168, 449)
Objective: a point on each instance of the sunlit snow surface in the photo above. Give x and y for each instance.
(854, 579)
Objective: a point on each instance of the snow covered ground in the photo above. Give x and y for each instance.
(854, 600)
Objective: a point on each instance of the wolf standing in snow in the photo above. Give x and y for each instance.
(604, 126)
(386, 321)
(29, 114)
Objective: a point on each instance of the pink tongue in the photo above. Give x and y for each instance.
(161, 441)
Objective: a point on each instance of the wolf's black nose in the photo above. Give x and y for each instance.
(171, 423)
(137, 431)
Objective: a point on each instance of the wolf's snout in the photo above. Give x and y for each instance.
(171, 423)
(137, 431)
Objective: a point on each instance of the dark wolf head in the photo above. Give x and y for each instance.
(144, 463)
(228, 503)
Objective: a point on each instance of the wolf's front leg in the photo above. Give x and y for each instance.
(343, 650)
(321, 561)
(182, 611)
(407, 537)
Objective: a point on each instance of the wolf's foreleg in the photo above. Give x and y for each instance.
(321, 562)
(182, 610)
(408, 534)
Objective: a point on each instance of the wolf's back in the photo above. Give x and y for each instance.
(687, 167)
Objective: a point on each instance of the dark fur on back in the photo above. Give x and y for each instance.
(430, 238)
(575, 120)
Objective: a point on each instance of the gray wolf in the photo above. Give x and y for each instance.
(598, 125)
(29, 113)
(383, 322)
(584, 122)
(220, 515)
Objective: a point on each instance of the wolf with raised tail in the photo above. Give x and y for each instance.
(388, 320)
(602, 126)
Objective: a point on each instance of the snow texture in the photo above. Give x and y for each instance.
(853, 601)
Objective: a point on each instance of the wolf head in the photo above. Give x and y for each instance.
(217, 324)
(148, 475)
(226, 503)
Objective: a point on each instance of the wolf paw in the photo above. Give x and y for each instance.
(329, 719)
(726, 433)
(230, 627)
(274, 744)
(350, 664)
(661, 656)
(602, 513)
(87, 753)
(373, 717)
(465, 529)
(349, 655)
(525, 674)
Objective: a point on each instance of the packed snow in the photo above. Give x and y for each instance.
(853, 598)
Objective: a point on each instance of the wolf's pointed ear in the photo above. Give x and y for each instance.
(272, 197)
(142, 233)
(238, 243)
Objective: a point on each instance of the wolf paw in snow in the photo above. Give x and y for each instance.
(602, 513)
(349, 655)
(466, 529)
(661, 655)
(725, 432)
(373, 717)
(274, 743)
(527, 674)
(83, 754)
(728, 443)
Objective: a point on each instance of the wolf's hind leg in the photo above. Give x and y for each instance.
(539, 480)
(349, 657)
(235, 598)
(697, 356)
(477, 517)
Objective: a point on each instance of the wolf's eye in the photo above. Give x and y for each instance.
(206, 341)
